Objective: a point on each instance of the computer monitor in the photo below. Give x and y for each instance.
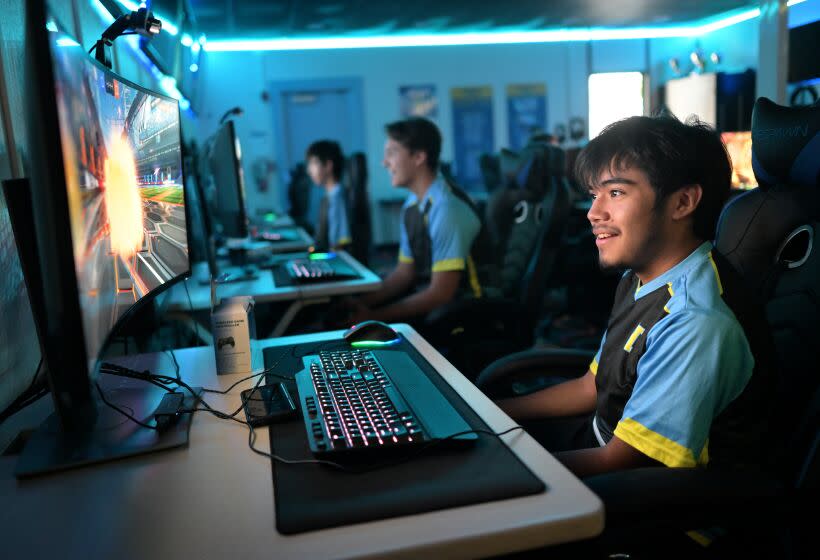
(739, 147)
(110, 215)
(225, 158)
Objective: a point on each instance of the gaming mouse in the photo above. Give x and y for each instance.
(372, 334)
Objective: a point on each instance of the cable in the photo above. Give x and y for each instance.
(360, 470)
(121, 411)
(160, 379)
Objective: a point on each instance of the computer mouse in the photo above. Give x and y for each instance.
(371, 333)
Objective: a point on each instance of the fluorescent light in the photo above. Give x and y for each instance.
(186, 40)
(102, 11)
(695, 29)
(195, 48)
(791, 3)
(729, 21)
(51, 25)
(193, 67)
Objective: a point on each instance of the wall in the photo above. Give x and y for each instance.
(231, 79)
(19, 352)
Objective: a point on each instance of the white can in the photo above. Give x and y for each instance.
(233, 328)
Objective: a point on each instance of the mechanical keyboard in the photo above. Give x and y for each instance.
(359, 400)
(306, 270)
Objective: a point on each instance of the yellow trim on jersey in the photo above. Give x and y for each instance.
(639, 330)
(653, 444)
(671, 295)
(638, 288)
(699, 538)
(593, 367)
(448, 264)
(704, 454)
(472, 274)
(404, 258)
(717, 275)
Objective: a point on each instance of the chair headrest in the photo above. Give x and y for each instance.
(785, 144)
(356, 169)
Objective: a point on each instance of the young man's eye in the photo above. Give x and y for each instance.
(615, 193)
(592, 195)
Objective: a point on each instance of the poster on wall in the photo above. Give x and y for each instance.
(418, 101)
(472, 132)
(526, 112)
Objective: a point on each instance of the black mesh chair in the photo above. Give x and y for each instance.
(299, 188)
(358, 205)
(526, 224)
(769, 235)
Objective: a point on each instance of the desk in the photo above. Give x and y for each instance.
(215, 498)
(264, 290)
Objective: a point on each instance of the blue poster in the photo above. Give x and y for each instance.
(472, 133)
(418, 101)
(526, 112)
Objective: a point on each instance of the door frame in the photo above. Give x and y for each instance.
(355, 85)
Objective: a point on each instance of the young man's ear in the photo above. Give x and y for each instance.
(419, 157)
(685, 200)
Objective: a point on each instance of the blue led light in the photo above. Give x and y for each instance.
(694, 29)
(321, 256)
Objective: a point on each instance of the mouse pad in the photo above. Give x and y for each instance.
(310, 497)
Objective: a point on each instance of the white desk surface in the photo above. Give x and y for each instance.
(264, 288)
(215, 498)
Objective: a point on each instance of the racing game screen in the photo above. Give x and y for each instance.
(739, 147)
(123, 171)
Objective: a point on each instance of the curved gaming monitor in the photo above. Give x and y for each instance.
(739, 147)
(109, 206)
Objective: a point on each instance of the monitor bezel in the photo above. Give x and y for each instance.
(69, 367)
(238, 176)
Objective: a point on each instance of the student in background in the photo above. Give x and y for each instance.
(438, 230)
(325, 163)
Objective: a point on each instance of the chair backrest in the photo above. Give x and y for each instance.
(491, 172)
(527, 220)
(358, 204)
(299, 189)
(770, 236)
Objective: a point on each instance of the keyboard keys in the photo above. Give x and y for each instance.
(355, 405)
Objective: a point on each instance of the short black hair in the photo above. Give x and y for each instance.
(418, 135)
(673, 154)
(328, 150)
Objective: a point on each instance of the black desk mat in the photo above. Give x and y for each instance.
(310, 497)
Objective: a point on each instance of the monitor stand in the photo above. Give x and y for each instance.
(111, 436)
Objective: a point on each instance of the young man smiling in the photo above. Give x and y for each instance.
(438, 229)
(670, 383)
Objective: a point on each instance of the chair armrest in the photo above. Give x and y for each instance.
(555, 362)
(685, 498)
(478, 319)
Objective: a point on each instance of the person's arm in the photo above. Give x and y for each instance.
(576, 396)
(396, 283)
(614, 456)
(442, 289)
